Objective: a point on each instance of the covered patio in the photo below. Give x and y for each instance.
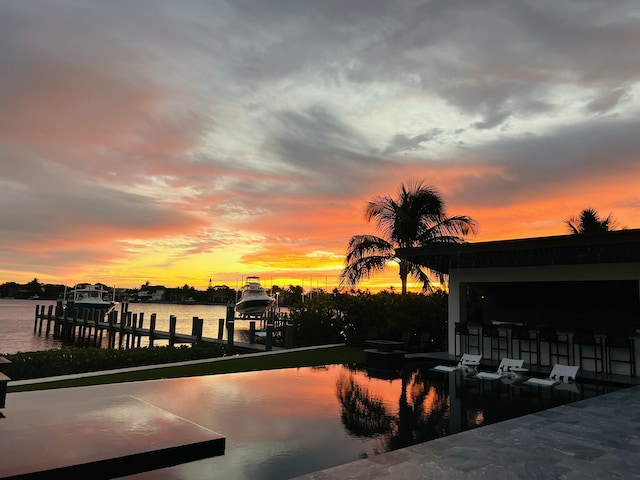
(570, 299)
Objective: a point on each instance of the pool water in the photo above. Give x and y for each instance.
(284, 423)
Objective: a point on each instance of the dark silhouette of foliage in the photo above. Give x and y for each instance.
(341, 317)
(361, 413)
(589, 221)
(415, 218)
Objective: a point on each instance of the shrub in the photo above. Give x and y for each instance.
(70, 360)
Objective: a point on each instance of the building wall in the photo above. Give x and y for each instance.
(459, 279)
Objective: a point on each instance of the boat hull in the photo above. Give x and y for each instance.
(254, 300)
(107, 307)
(104, 307)
(253, 308)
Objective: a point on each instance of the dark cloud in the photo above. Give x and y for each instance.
(608, 100)
(402, 143)
(533, 167)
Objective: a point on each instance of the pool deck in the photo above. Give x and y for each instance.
(590, 439)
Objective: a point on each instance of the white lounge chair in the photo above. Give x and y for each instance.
(467, 360)
(559, 374)
(506, 364)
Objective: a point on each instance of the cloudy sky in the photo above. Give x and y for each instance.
(177, 142)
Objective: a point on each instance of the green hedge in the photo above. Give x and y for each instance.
(70, 360)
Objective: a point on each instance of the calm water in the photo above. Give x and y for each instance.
(17, 319)
(284, 423)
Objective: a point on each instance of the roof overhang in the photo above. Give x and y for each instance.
(620, 246)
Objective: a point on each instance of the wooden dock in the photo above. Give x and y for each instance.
(124, 329)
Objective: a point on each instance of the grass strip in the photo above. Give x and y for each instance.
(234, 364)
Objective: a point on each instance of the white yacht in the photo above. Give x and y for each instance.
(85, 296)
(254, 299)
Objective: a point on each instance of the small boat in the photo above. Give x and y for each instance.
(85, 296)
(254, 299)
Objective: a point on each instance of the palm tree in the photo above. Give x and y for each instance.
(416, 218)
(589, 221)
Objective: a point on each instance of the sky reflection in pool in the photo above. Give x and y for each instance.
(284, 423)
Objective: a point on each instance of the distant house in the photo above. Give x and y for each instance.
(158, 295)
(582, 285)
(144, 296)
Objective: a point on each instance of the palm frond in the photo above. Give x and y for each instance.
(363, 268)
(415, 218)
(361, 246)
(589, 221)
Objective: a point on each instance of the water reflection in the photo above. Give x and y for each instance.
(288, 422)
(422, 410)
(425, 405)
(362, 414)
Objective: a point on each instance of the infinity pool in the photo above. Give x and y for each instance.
(284, 423)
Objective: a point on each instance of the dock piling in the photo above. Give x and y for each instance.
(87, 327)
(152, 329)
(220, 328)
(172, 330)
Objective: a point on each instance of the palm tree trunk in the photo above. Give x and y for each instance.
(404, 273)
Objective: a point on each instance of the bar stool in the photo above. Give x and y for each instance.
(553, 338)
(495, 336)
(587, 341)
(618, 341)
(527, 343)
(462, 330)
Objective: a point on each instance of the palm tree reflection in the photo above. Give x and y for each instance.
(422, 415)
(362, 414)
(423, 411)
(432, 406)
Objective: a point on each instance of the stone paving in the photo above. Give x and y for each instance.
(596, 438)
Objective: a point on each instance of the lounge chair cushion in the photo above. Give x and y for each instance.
(489, 375)
(559, 374)
(506, 364)
(467, 360)
(445, 368)
(542, 382)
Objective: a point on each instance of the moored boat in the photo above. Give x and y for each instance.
(85, 296)
(254, 299)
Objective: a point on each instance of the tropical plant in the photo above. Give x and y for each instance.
(416, 218)
(589, 221)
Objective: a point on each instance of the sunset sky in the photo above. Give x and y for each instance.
(180, 141)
